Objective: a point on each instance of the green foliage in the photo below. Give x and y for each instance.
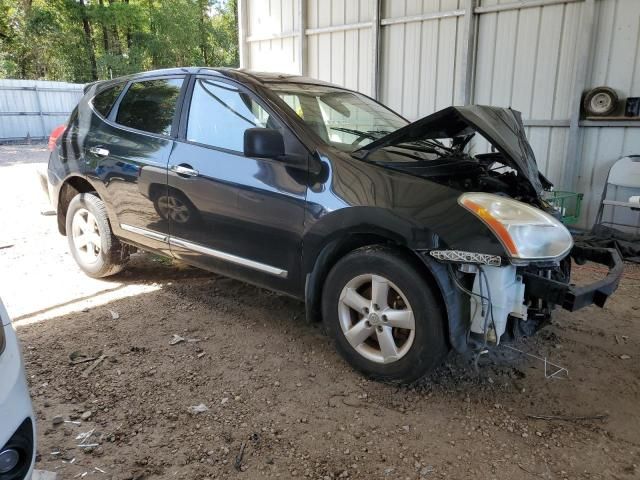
(86, 40)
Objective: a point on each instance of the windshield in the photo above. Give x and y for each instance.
(346, 120)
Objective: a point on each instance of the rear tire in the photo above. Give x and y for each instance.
(383, 315)
(91, 241)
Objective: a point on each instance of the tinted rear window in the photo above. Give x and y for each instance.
(103, 101)
(150, 105)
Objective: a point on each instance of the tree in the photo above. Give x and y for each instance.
(88, 39)
(84, 40)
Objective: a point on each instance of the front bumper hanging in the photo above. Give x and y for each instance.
(572, 297)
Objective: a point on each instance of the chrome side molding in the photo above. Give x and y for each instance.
(278, 272)
(194, 247)
(145, 233)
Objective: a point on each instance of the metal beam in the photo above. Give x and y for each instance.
(545, 123)
(302, 37)
(560, 123)
(465, 85)
(34, 114)
(271, 36)
(375, 47)
(39, 103)
(339, 28)
(41, 89)
(518, 5)
(610, 123)
(243, 46)
(20, 140)
(421, 18)
(587, 26)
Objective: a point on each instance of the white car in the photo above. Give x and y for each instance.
(17, 422)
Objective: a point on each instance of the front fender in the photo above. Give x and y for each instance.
(359, 226)
(337, 226)
(456, 304)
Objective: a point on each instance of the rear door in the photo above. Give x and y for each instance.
(237, 215)
(127, 153)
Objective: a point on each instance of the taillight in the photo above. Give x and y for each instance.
(55, 134)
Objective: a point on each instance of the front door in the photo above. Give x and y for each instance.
(128, 154)
(237, 215)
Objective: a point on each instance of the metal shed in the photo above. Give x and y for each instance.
(32, 108)
(417, 56)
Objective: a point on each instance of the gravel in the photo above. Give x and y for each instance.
(276, 385)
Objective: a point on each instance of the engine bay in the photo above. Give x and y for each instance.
(439, 147)
(455, 168)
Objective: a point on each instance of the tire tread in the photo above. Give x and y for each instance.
(116, 257)
(428, 312)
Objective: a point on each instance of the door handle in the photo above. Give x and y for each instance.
(99, 151)
(184, 170)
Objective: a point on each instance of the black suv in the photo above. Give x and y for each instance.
(397, 235)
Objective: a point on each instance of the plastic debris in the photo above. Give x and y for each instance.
(195, 409)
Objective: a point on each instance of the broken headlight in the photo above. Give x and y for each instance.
(526, 232)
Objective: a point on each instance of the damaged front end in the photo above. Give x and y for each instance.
(507, 295)
(507, 300)
(440, 147)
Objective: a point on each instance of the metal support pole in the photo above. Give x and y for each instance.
(465, 85)
(375, 46)
(243, 46)
(44, 126)
(302, 37)
(585, 43)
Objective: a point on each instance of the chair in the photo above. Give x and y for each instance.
(623, 182)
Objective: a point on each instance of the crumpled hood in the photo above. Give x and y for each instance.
(502, 127)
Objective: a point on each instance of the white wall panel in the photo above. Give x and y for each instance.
(525, 58)
(273, 18)
(616, 63)
(341, 57)
(420, 59)
(448, 38)
(393, 57)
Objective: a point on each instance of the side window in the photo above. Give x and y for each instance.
(220, 113)
(103, 101)
(150, 105)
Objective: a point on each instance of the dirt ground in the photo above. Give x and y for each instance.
(279, 402)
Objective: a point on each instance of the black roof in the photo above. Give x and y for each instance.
(239, 74)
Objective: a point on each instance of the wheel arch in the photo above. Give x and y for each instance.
(403, 238)
(450, 299)
(71, 187)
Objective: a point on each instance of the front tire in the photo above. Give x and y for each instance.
(383, 315)
(91, 241)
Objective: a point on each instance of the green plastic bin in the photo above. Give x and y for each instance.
(567, 203)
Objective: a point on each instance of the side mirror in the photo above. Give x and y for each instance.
(263, 143)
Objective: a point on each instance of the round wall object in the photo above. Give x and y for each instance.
(600, 101)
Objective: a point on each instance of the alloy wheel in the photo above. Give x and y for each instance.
(86, 235)
(376, 318)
